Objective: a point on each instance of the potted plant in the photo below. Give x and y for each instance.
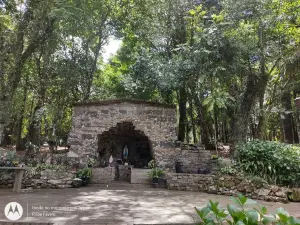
(77, 182)
(155, 174)
(84, 174)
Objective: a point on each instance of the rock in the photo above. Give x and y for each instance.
(54, 186)
(36, 176)
(9, 185)
(7, 177)
(249, 189)
(282, 194)
(37, 181)
(212, 190)
(27, 190)
(229, 184)
(44, 185)
(241, 188)
(10, 181)
(69, 182)
(54, 182)
(274, 189)
(294, 195)
(263, 192)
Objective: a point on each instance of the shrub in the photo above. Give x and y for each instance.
(229, 170)
(9, 159)
(84, 174)
(214, 156)
(258, 181)
(213, 214)
(275, 162)
(151, 164)
(156, 172)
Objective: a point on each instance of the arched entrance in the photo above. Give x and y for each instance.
(95, 122)
(126, 144)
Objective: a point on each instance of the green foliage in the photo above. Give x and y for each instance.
(84, 174)
(258, 181)
(156, 172)
(214, 156)
(226, 61)
(9, 159)
(151, 164)
(275, 162)
(229, 170)
(237, 214)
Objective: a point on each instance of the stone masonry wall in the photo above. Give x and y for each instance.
(157, 121)
(193, 157)
(225, 185)
(140, 176)
(42, 179)
(102, 175)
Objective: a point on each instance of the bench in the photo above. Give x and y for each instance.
(18, 177)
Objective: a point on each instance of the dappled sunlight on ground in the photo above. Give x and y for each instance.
(92, 205)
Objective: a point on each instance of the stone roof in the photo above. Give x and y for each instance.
(118, 101)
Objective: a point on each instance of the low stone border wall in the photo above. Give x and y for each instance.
(140, 176)
(41, 179)
(102, 175)
(225, 185)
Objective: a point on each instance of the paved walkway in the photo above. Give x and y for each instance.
(114, 206)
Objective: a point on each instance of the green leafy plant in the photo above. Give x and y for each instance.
(275, 162)
(84, 174)
(229, 170)
(214, 156)
(156, 172)
(10, 159)
(151, 164)
(91, 161)
(238, 214)
(258, 181)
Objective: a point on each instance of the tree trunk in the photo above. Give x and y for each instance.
(240, 124)
(182, 114)
(295, 132)
(287, 118)
(187, 133)
(226, 131)
(205, 130)
(191, 114)
(19, 144)
(3, 117)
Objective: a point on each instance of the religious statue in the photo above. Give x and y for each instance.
(125, 152)
(111, 159)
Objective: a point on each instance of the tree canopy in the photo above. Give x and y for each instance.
(231, 67)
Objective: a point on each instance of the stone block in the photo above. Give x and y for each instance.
(10, 181)
(87, 136)
(55, 182)
(121, 111)
(263, 192)
(212, 190)
(294, 194)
